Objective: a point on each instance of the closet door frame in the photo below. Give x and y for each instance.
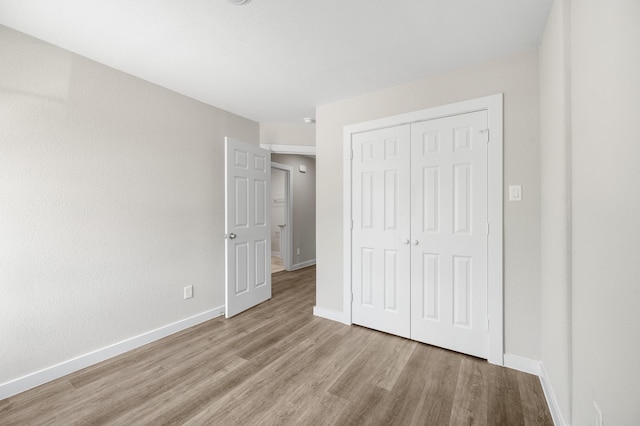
(493, 105)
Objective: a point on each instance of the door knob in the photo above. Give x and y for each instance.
(406, 241)
(232, 236)
(415, 242)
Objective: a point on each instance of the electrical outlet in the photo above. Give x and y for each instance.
(188, 292)
(597, 415)
(298, 251)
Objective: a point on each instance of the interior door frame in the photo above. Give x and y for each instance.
(495, 286)
(287, 253)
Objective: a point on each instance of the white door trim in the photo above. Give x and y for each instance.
(493, 106)
(309, 151)
(287, 253)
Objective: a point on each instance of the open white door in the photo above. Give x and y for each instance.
(248, 226)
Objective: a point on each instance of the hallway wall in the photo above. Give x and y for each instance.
(304, 207)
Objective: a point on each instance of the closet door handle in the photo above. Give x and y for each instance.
(416, 242)
(405, 241)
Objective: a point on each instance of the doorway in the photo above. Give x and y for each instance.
(281, 217)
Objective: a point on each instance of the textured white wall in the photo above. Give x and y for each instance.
(287, 134)
(111, 200)
(605, 69)
(304, 205)
(517, 78)
(555, 206)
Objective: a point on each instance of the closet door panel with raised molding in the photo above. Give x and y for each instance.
(449, 233)
(381, 230)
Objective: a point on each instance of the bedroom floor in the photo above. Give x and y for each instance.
(278, 364)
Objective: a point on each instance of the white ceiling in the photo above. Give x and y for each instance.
(276, 60)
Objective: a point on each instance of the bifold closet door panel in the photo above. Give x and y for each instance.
(381, 229)
(449, 233)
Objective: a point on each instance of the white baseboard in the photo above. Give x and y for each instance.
(537, 368)
(552, 402)
(523, 364)
(48, 374)
(275, 253)
(303, 264)
(330, 314)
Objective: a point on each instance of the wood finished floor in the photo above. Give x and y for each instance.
(278, 364)
(276, 264)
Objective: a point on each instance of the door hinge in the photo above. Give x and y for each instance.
(485, 132)
(351, 224)
(488, 323)
(351, 154)
(487, 228)
(351, 297)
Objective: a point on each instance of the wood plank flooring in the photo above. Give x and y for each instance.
(276, 264)
(278, 364)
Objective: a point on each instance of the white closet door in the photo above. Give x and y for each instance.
(381, 230)
(449, 233)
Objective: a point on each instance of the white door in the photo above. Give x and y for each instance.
(449, 233)
(248, 226)
(381, 230)
(419, 238)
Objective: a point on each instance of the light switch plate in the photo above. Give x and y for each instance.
(515, 192)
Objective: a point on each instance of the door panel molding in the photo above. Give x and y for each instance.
(494, 107)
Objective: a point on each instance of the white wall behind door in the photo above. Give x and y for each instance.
(287, 134)
(112, 195)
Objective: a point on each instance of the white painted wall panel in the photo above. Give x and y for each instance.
(555, 222)
(605, 129)
(112, 200)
